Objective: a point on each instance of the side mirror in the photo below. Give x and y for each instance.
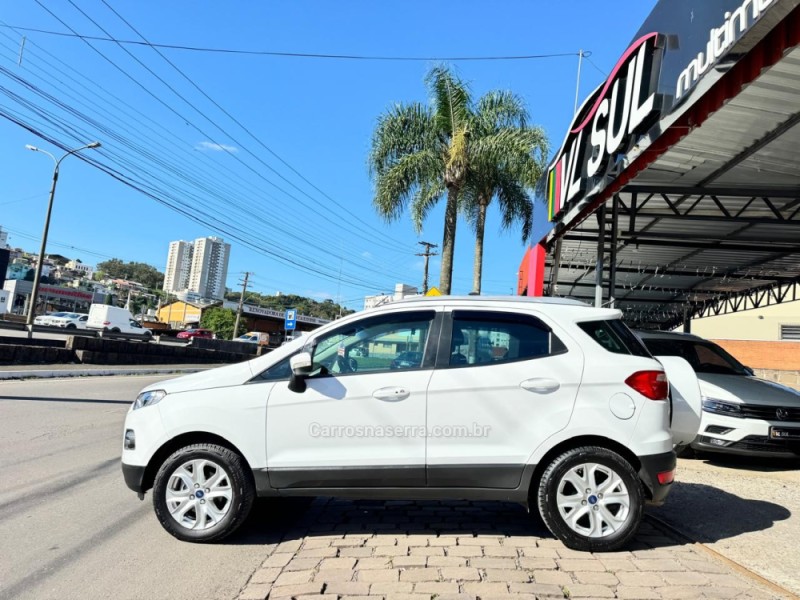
(750, 371)
(301, 367)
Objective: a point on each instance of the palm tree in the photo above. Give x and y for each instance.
(507, 158)
(419, 153)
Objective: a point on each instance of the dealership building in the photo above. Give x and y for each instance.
(675, 194)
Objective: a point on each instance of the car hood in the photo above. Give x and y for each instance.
(748, 390)
(227, 376)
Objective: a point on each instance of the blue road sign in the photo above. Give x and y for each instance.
(290, 319)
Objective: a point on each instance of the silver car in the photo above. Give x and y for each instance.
(742, 413)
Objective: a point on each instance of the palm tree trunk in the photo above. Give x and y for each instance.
(449, 240)
(480, 225)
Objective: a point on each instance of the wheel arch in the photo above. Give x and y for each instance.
(576, 442)
(179, 441)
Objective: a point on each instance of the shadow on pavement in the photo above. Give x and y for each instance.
(752, 463)
(273, 521)
(709, 514)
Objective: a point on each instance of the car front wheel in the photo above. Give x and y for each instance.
(203, 493)
(591, 499)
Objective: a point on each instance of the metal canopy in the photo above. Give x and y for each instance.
(711, 225)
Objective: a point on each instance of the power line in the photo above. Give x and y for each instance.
(293, 54)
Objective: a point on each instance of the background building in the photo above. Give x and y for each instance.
(197, 268)
(401, 290)
(3, 239)
(179, 265)
(209, 267)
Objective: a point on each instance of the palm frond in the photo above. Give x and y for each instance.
(397, 184)
(450, 99)
(404, 128)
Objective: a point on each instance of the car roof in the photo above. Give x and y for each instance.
(492, 299)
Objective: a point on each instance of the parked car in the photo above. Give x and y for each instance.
(69, 320)
(45, 319)
(115, 320)
(253, 337)
(564, 421)
(195, 333)
(742, 413)
(406, 360)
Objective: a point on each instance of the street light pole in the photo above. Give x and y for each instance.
(38, 273)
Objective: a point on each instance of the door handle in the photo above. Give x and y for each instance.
(391, 394)
(540, 385)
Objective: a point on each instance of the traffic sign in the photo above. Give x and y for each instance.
(434, 292)
(290, 319)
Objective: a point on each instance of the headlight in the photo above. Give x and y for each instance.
(720, 407)
(148, 398)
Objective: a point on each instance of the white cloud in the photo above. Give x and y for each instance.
(366, 254)
(215, 147)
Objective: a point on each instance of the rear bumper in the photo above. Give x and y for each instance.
(134, 477)
(652, 465)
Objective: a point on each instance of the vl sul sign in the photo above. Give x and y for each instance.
(607, 124)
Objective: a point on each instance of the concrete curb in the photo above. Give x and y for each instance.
(50, 373)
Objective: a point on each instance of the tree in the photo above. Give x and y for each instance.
(140, 272)
(508, 158)
(418, 153)
(221, 321)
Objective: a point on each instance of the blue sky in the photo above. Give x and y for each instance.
(309, 227)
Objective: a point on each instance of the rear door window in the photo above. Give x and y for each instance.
(614, 336)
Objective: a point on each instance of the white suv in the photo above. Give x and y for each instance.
(546, 402)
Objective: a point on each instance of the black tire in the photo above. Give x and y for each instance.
(71, 326)
(115, 330)
(234, 509)
(580, 536)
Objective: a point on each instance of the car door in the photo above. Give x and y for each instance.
(360, 422)
(504, 382)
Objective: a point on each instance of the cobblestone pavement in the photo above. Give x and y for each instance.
(428, 550)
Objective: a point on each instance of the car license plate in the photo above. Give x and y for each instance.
(784, 433)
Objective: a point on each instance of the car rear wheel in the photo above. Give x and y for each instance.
(203, 493)
(591, 499)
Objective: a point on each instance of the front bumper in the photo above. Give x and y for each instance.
(652, 465)
(744, 436)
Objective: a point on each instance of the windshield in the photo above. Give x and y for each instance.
(705, 357)
(58, 314)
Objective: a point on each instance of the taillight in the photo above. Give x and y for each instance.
(650, 384)
(106, 322)
(666, 477)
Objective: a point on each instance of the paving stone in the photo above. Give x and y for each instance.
(355, 552)
(367, 597)
(500, 551)
(318, 597)
(265, 575)
(535, 552)
(382, 562)
(302, 564)
(436, 587)
(415, 574)
(442, 541)
(382, 539)
(348, 542)
(595, 578)
(579, 564)
(292, 577)
(680, 592)
(579, 590)
(347, 588)
(478, 541)
(704, 566)
(330, 575)
(486, 588)
(277, 560)
(465, 551)
(337, 563)
(552, 577)
(407, 597)
(396, 587)
(638, 593)
(447, 561)
(316, 542)
(399, 550)
(295, 590)
(409, 561)
(255, 592)
(685, 578)
(536, 563)
(378, 575)
(617, 564)
(289, 546)
(456, 597)
(460, 573)
(508, 575)
(326, 552)
(658, 564)
(540, 590)
(639, 579)
(494, 563)
(426, 551)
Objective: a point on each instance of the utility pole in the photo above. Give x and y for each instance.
(427, 254)
(241, 303)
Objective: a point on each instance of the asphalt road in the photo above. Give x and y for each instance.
(69, 528)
